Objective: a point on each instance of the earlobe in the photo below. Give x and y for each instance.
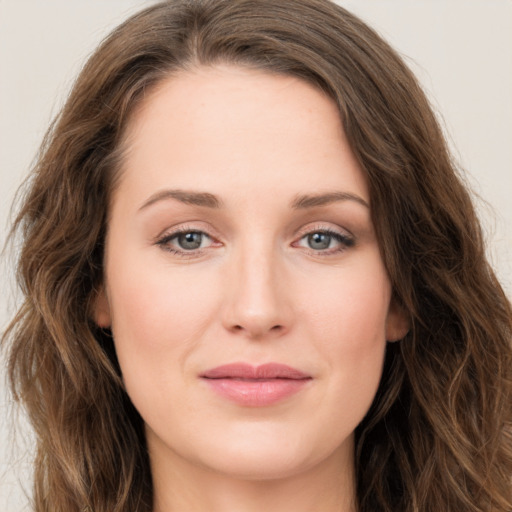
(397, 323)
(101, 309)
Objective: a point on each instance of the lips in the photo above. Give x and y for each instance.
(256, 386)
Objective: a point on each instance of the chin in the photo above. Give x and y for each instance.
(258, 455)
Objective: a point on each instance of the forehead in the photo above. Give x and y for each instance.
(205, 127)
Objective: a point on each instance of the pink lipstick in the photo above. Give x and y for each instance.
(255, 386)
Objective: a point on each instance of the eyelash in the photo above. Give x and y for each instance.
(345, 241)
(164, 242)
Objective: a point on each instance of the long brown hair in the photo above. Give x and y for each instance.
(438, 436)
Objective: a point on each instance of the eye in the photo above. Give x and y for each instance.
(326, 241)
(185, 241)
(190, 241)
(319, 241)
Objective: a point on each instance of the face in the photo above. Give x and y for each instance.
(245, 290)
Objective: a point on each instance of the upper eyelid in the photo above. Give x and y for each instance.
(167, 238)
(174, 234)
(164, 243)
(345, 238)
(327, 227)
(208, 230)
(186, 228)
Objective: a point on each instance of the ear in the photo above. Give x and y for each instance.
(101, 309)
(397, 322)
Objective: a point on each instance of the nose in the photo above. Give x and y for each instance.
(258, 302)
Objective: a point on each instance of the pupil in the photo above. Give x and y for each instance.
(190, 240)
(319, 241)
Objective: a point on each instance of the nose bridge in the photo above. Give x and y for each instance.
(257, 304)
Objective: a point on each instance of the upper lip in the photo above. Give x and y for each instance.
(248, 371)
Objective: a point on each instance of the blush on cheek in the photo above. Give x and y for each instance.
(156, 306)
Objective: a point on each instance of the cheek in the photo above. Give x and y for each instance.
(156, 319)
(350, 310)
(348, 324)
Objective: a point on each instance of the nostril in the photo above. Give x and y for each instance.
(275, 328)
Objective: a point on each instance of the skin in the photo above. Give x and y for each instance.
(258, 289)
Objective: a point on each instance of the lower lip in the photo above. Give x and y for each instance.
(257, 392)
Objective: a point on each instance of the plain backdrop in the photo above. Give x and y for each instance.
(460, 49)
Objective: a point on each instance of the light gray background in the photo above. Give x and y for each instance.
(460, 49)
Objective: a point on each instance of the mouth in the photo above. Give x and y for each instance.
(258, 386)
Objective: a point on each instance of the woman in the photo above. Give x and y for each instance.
(254, 280)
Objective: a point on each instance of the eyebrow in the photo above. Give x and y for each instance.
(185, 196)
(208, 200)
(310, 201)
